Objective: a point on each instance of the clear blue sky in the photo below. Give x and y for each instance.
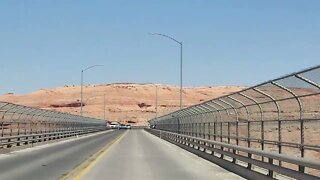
(46, 43)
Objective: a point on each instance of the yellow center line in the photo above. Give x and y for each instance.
(84, 167)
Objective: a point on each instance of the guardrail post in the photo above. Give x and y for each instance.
(301, 169)
(9, 145)
(237, 132)
(249, 145)
(221, 155)
(221, 138)
(18, 143)
(228, 132)
(270, 172)
(2, 128)
(215, 131)
(234, 160)
(209, 130)
(18, 128)
(33, 139)
(200, 130)
(26, 140)
(204, 130)
(279, 140)
(10, 128)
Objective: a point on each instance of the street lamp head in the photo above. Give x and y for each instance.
(151, 33)
(91, 67)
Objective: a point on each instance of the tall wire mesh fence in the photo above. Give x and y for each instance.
(281, 115)
(22, 120)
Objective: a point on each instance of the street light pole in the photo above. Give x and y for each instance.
(104, 107)
(156, 101)
(180, 43)
(181, 75)
(81, 92)
(81, 97)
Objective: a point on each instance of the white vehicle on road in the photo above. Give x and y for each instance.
(114, 125)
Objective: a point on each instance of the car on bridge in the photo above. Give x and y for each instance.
(123, 126)
(115, 125)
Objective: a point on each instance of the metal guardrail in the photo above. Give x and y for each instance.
(281, 115)
(20, 125)
(229, 156)
(15, 141)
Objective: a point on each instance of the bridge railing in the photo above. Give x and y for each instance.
(281, 115)
(231, 157)
(21, 124)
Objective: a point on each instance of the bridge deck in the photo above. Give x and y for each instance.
(133, 154)
(140, 155)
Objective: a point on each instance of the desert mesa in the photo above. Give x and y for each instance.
(123, 102)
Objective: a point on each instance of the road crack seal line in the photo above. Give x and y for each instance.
(82, 168)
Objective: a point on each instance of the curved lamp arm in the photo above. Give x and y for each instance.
(166, 36)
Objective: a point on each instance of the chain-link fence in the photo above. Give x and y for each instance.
(281, 115)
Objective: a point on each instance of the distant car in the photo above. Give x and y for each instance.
(128, 126)
(123, 126)
(114, 125)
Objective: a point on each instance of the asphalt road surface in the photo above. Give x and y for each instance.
(114, 155)
(142, 156)
(54, 160)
